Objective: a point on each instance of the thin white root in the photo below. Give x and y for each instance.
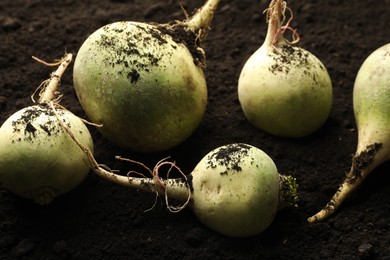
(91, 158)
(183, 10)
(91, 123)
(39, 89)
(50, 64)
(57, 105)
(154, 204)
(170, 188)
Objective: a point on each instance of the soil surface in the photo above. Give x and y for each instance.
(101, 220)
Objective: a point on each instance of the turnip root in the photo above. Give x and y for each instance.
(283, 89)
(371, 103)
(235, 189)
(38, 159)
(144, 81)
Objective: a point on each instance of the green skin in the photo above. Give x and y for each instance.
(38, 159)
(371, 103)
(142, 86)
(371, 100)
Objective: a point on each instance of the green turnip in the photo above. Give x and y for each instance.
(235, 189)
(144, 82)
(38, 159)
(284, 89)
(371, 103)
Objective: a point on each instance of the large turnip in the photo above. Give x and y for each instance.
(144, 82)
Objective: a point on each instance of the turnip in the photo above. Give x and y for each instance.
(144, 82)
(235, 189)
(371, 103)
(284, 89)
(38, 159)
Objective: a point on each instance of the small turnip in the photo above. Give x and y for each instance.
(284, 89)
(235, 189)
(38, 159)
(371, 103)
(144, 82)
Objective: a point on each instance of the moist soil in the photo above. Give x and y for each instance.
(101, 220)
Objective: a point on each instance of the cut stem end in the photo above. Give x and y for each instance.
(288, 192)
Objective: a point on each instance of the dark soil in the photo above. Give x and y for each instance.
(100, 220)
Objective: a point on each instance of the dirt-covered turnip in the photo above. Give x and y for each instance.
(284, 89)
(371, 104)
(38, 159)
(235, 189)
(144, 82)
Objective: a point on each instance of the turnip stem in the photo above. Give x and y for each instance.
(274, 14)
(200, 21)
(49, 92)
(362, 164)
(276, 17)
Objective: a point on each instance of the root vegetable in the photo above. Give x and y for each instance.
(38, 159)
(235, 189)
(144, 81)
(371, 103)
(284, 89)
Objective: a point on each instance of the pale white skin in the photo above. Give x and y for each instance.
(291, 101)
(283, 89)
(38, 159)
(236, 201)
